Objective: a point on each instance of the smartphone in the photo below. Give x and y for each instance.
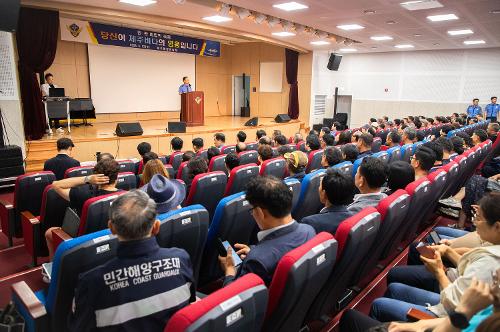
(222, 246)
(425, 251)
(435, 237)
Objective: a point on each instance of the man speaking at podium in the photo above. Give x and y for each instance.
(185, 87)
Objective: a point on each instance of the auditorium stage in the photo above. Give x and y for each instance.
(101, 138)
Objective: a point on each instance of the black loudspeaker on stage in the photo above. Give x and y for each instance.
(176, 127)
(280, 118)
(129, 129)
(334, 61)
(12, 161)
(9, 14)
(252, 122)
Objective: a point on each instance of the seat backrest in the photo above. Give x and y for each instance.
(78, 171)
(126, 166)
(232, 222)
(356, 165)
(304, 268)
(218, 163)
(382, 155)
(140, 166)
(53, 208)
(344, 167)
(394, 153)
(294, 186)
(207, 189)
(126, 181)
(415, 146)
(406, 152)
(421, 197)
(176, 159)
(248, 157)
(292, 147)
(237, 307)
(309, 202)
(355, 236)
(170, 171)
(239, 178)
(301, 146)
(202, 153)
(377, 144)
(453, 170)
(252, 146)
(95, 213)
(72, 258)
(183, 172)
(314, 160)
(28, 192)
(186, 228)
(275, 167)
(228, 149)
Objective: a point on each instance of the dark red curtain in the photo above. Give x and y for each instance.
(36, 36)
(292, 66)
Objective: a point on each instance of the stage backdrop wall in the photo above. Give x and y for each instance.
(405, 83)
(129, 80)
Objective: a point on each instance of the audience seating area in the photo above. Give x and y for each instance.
(311, 283)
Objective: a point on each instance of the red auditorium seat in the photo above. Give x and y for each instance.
(308, 202)
(292, 147)
(227, 149)
(406, 152)
(355, 236)
(394, 153)
(202, 153)
(78, 171)
(252, 146)
(207, 189)
(421, 197)
(183, 172)
(275, 167)
(94, 218)
(298, 278)
(314, 160)
(239, 177)
(176, 159)
(52, 210)
(218, 163)
(439, 181)
(237, 307)
(126, 166)
(301, 146)
(248, 157)
(126, 181)
(453, 170)
(28, 192)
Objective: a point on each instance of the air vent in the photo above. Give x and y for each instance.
(319, 104)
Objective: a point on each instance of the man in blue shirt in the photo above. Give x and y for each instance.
(271, 202)
(474, 109)
(144, 285)
(491, 110)
(185, 87)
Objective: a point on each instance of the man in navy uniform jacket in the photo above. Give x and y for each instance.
(271, 202)
(144, 285)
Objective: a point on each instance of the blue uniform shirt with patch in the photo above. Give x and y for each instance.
(185, 88)
(473, 110)
(492, 110)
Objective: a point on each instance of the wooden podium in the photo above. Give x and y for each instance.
(192, 105)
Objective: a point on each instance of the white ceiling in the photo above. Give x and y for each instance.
(327, 14)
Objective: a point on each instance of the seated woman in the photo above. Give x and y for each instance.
(197, 165)
(167, 194)
(433, 289)
(151, 168)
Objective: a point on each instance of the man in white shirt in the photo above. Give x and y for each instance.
(49, 83)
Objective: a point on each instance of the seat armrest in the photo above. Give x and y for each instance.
(31, 234)
(28, 299)
(59, 236)
(29, 217)
(7, 219)
(6, 204)
(414, 315)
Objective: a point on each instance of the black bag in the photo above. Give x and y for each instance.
(11, 320)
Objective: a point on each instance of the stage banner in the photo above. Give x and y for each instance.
(105, 34)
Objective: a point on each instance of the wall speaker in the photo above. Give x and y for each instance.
(129, 129)
(280, 118)
(9, 14)
(334, 61)
(12, 161)
(253, 122)
(176, 127)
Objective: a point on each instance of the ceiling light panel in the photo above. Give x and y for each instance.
(460, 32)
(421, 4)
(381, 38)
(290, 6)
(444, 17)
(474, 42)
(348, 50)
(403, 46)
(141, 3)
(218, 19)
(320, 42)
(283, 34)
(350, 27)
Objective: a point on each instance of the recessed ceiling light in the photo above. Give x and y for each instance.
(347, 50)
(218, 18)
(381, 38)
(369, 11)
(436, 44)
(421, 4)
(417, 35)
(374, 47)
(391, 22)
(283, 34)
(444, 17)
(404, 46)
(460, 32)
(350, 27)
(141, 3)
(320, 42)
(474, 42)
(495, 11)
(289, 6)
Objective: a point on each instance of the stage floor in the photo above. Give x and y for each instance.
(101, 138)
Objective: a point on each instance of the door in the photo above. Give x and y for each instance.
(241, 93)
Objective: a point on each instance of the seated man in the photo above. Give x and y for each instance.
(241, 137)
(144, 285)
(296, 163)
(271, 202)
(438, 152)
(265, 141)
(393, 139)
(422, 161)
(312, 142)
(78, 189)
(260, 133)
(265, 152)
(479, 136)
(364, 145)
(336, 191)
(369, 179)
(142, 149)
(350, 152)
(175, 146)
(447, 148)
(63, 161)
(240, 147)
(212, 152)
(219, 141)
(197, 144)
(231, 162)
(280, 140)
(493, 129)
(409, 135)
(331, 157)
(327, 140)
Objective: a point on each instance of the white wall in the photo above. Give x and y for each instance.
(404, 83)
